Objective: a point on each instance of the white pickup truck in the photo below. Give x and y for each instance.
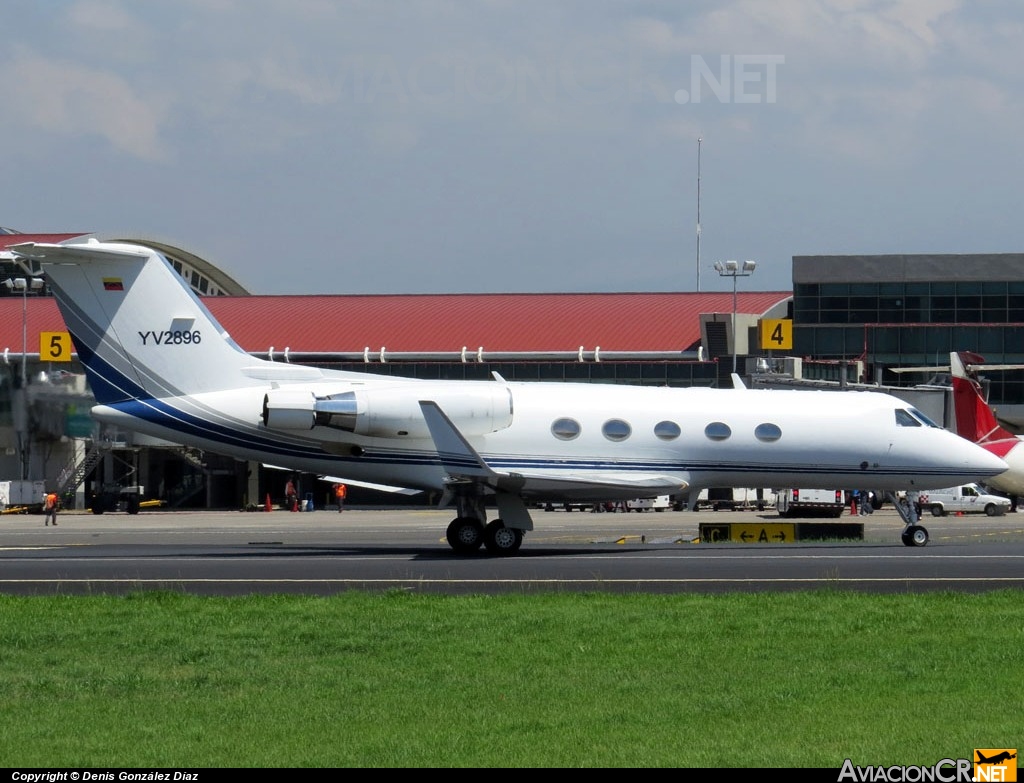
(966, 499)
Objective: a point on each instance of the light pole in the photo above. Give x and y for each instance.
(734, 269)
(24, 285)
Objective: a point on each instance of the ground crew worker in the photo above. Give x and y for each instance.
(291, 495)
(340, 491)
(50, 508)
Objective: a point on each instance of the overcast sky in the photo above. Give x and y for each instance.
(434, 146)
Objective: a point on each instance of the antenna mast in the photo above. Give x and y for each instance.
(698, 214)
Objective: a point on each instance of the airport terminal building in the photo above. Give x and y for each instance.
(853, 319)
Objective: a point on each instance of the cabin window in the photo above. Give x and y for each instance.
(616, 429)
(667, 430)
(717, 430)
(767, 432)
(904, 419)
(565, 429)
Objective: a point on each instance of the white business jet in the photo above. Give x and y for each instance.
(159, 363)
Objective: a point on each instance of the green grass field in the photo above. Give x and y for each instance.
(551, 680)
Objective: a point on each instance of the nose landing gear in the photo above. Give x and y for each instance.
(913, 534)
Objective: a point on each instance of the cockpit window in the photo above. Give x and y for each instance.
(904, 419)
(912, 417)
(923, 419)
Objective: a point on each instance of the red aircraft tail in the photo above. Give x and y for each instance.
(975, 419)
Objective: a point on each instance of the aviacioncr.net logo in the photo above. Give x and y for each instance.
(943, 771)
(998, 765)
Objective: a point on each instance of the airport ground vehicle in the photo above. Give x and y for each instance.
(113, 497)
(659, 503)
(792, 502)
(735, 499)
(965, 499)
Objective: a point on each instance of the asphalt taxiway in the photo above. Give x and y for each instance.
(323, 552)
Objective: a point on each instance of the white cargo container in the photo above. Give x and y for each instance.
(21, 493)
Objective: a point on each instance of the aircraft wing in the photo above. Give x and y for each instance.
(971, 366)
(933, 368)
(608, 486)
(371, 485)
(463, 462)
(355, 483)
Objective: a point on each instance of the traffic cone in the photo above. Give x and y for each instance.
(267, 505)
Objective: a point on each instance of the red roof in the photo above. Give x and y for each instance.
(6, 240)
(441, 322)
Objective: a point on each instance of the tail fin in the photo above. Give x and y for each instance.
(975, 419)
(138, 328)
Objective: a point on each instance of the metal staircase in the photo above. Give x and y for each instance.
(72, 476)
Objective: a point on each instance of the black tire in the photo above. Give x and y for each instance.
(914, 535)
(465, 535)
(133, 504)
(937, 511)
(991, 510)
(500, 540)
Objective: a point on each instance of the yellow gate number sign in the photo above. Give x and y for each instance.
(54, 347)
(776, 335)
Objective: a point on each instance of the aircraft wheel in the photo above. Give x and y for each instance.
(915, 535)
(501, 540)
(465, 535)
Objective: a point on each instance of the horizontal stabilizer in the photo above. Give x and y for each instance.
(84, 251)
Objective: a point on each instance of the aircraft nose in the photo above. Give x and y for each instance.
(984, 462)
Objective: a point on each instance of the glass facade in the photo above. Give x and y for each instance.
(914, 324)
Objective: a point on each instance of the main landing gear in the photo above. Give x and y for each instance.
(467, 534)
(913, 534)
(470, 529)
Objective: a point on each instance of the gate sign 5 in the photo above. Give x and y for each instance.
(775, 335)
(54, 346)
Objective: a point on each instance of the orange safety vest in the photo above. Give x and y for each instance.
(51, 501)
(340, 490)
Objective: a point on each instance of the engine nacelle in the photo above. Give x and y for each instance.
(391, 412)
(289, 409)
